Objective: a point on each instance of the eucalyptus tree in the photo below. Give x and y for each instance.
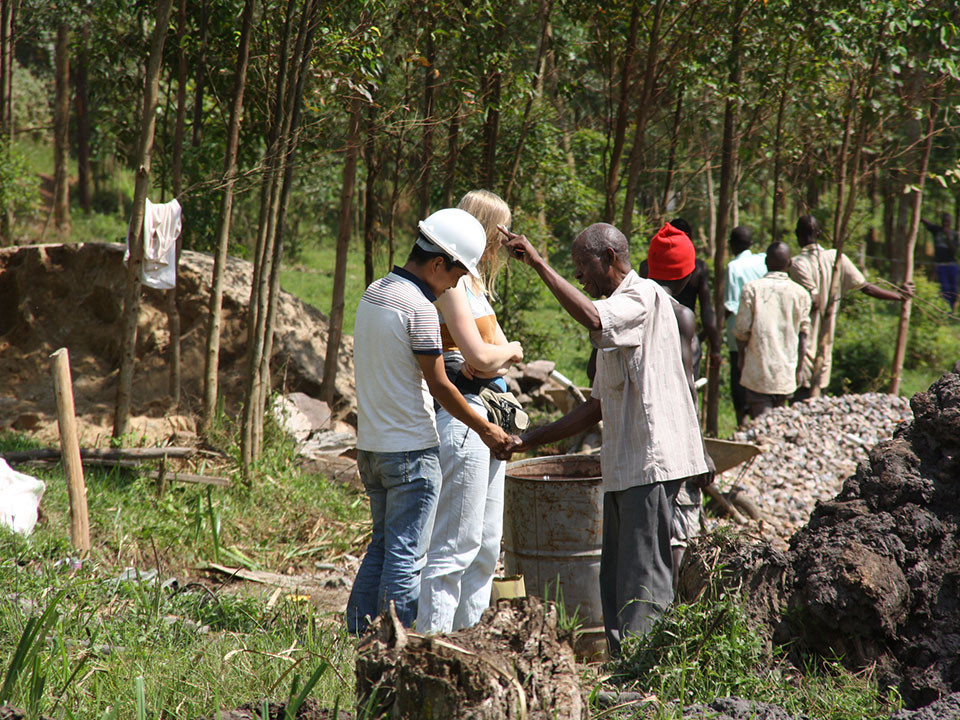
(131, 305)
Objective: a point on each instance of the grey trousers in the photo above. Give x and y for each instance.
(636, 562)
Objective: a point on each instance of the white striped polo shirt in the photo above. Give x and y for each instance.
(396, 321)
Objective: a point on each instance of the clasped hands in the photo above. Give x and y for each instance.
(513, 443)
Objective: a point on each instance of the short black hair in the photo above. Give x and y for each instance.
(682, 225)
(741, 238)
(422, 257)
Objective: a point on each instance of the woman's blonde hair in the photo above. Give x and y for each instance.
(491, 210)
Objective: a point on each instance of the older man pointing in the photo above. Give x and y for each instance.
(651, 442)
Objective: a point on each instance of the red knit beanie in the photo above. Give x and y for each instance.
(672, 255)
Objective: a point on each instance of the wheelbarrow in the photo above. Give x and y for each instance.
(726, 455)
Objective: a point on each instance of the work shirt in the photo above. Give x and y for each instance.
(650, 428)
(742, 269)
(396, 321)
(812, 268)
(774, 310)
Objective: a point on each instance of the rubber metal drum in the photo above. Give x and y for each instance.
(553, 523)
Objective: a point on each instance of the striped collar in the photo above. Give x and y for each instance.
(407, 275)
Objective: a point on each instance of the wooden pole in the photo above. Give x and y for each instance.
(70, 451)
(904, 325)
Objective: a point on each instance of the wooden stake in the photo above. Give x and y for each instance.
(70, 451)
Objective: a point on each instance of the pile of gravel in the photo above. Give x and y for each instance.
(809, 449)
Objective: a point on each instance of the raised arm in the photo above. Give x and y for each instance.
(480, 356)
(578, 305)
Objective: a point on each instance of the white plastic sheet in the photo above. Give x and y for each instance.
(19, 499)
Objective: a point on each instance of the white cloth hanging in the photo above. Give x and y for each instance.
(162, 224)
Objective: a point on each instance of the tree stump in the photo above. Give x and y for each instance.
(514, 665)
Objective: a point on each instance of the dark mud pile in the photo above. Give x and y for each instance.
(874, 576)
(877, 570)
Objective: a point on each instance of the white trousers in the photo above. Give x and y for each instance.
(465, 546)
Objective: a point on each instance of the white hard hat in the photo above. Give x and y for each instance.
(457, 233)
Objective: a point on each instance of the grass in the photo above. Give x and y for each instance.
(707, 649)
(196, 646)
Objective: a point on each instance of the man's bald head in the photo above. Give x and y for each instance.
(778, 257)
(808, 229)
(597, 238)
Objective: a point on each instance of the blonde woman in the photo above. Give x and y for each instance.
(465, 544)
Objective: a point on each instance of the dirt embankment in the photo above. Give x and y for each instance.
(71, 296)
(874, 577)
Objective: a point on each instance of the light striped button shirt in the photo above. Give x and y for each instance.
(650, 428)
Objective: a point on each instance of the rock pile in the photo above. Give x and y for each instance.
(808, 449)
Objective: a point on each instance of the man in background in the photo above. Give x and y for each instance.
(745, 266)
(945, 256)
(813, 269)
(771, 328)
(696, 289)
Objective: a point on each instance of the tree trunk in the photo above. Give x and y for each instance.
(906, 306)
(728, 169)
(131, 304)
(620, 126)
(8, 11)
(491, 127)
(711, 199)
(371, 209)
(173, 312)
(200, 76)
(537, 91)
(291, 135)
(777, 157)
(640, 119)
(453, 152)
(251, 434)
(61, 132)
(426, 148)
(212, 356)
(328, 392)
(84, 173)
(674, 137)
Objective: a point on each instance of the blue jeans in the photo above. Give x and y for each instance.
(403, 489)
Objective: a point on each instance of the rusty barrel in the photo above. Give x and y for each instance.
(552, 531)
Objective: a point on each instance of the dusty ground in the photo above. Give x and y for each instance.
(71, 296)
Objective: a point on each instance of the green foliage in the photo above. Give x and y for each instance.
(934, 339)
(863, 347)
(707, 649)
(696, 653)
(19, 190)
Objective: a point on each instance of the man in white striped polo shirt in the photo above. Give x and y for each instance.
(399, 372)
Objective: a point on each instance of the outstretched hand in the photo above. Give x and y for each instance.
(518, 246)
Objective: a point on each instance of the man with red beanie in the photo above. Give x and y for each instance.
(697, 289)
(651, 438)
(670, 263)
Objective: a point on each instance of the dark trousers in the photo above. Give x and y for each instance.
(736, 389)
(636, 561)
(948, 275)
(759, 403)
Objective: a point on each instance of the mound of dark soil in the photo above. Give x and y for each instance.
(71, 296)
(877, 570)
(874, 577)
